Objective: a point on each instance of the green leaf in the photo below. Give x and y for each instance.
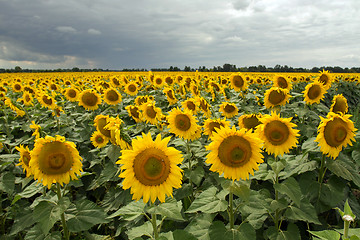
(218, 230)
(326, 234)
(28, 192)
(277, 166)
(46, 213)
(241, 189)
(207, 202)
(344, 167)
(36, 233)
(7, 183)
(347, 210)
(145, 229)
(83, 215)
(113, 152)
(170, 209)
(306, 213)
(179, 234)
(22, 222)
(310, 145)
(291, 188)
(130, 211)
(199, 226)
(197, 175)
(356, 156)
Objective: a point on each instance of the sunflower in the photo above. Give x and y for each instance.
(325, 78)
(17, 87)
(204, 106)
(89, 99)
(282, 82)
(314, 93)
(236, 154)
(140, 100)
(37, 128)
(18, 111)
(276, 96)
(117, 133)
(339, 104)
(250, 121)
(191, 105)
(111, 96)
(238, 82)
(170, 95)
(134, 112)
(71, 94)
(183, 124)
(26, 99)
(335, 132)
(114, 81)
(158, 82)
(54, 160)
(228, 110)
(25, 156)
(150, 113)
(46, 100)
(100, 122)
(98, 139)
(213, 125)
(169, 80)
(278, 134)
(131, 88)
(151, 168)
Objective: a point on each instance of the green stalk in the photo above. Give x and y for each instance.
(153, 221)
(322, 170)
(277, 198)
(63, 221)
(346, 229)
(231, 210)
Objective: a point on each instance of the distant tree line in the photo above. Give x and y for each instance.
(227, 67)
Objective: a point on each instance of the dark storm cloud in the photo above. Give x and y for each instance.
(113, 34)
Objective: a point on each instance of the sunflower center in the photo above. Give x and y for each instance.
(182, 122)
(190, 105)
(229, 108)
(132, 88)
(27, 98)
(100, 125)
(71, 93)
(314, 92)
(17, 87)
(151, 167)
(115, 82)
(47, 101)
(234, 151)
(170, 94)
(89, 99)
(276, 97)
(276, 132)
(26, 158)
(340, 106)
(251, 122)
(324, 79)
(169, 80)
(55, 158)
(214, 125)
(150, 112)
(112, 96)
(335, 132)
(99, 139)
(282, 82)
(158, 81)
(238, 81)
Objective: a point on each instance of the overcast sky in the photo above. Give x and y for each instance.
(117, 34)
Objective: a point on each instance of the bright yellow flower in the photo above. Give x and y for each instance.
(150, 169)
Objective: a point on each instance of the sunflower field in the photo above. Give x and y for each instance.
(179, 155)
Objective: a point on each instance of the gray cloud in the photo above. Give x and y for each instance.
(159, 33)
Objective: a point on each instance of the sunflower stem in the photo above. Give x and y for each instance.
(231, 210)
(321, 170)
(153, 221)
(63, 221)
(277, 198)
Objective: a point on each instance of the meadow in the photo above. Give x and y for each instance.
(179, 155)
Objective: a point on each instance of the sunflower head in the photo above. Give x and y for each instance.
(314, 93)
(150, 169)
(278, 134)
(238, 82)
(98, 139)
(151, 113)
(134, 112)
(112, 96)
(131, 88)
(282, 82)
(190, 104)
(339, 104)
(170, 95)
(54, 160)
(213, 125)
(276, 96)
(183, 124)
(89, 99)
(325, 78)
(25, 156)
(100, 122)
(335, 132)
(228, 110)
(249, 121)
(71, 94)
(47, 100)
(236, 154)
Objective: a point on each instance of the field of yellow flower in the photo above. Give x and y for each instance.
(179, 155)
